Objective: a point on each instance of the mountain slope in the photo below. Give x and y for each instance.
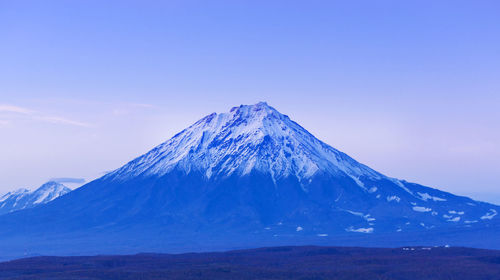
(249, 177)
(24, 199)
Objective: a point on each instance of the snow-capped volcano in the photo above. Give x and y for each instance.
(257, 141)
(248, 138)
(249, 177)
(23, 198)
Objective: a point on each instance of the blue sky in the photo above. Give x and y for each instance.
(409, 88)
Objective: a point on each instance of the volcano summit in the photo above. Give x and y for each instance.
(250, 177)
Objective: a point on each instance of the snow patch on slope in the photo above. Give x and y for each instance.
(393, 198)
(421, 209)
(366, 217)
(490, 215)
(361, 230)
(426, 196)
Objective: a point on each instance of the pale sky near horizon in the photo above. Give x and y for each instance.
(409, 88)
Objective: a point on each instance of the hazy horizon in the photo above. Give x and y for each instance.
(87, 86)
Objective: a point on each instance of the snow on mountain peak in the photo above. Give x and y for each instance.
(24, 198)
(247, 138)
(48, 192)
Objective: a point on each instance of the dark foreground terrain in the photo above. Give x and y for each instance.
(269, 263)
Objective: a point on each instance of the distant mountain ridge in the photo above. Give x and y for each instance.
(250, 177)
(25, 199)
